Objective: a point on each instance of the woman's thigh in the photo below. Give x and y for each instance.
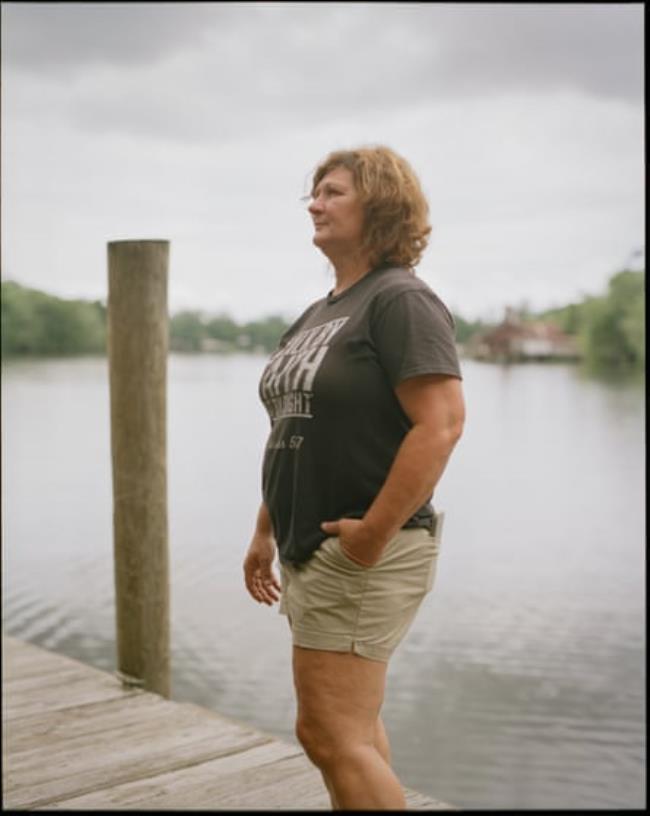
(339, 694)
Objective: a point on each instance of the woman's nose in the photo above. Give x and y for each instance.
(315, 205)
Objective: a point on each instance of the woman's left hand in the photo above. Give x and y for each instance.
(356, 541)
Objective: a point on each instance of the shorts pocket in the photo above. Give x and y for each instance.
(333, 545)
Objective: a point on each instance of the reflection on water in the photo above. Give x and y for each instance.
(521, 683)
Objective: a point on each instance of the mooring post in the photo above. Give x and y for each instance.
(137, 353)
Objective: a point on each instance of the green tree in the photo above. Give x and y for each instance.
(223, 327)
(465, 329)
(265, 332)
(627, 295)
(613, 326)
(36, 323)
(17, 310)
(186, 331)
(568, 318)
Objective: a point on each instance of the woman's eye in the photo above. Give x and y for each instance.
(327, 192)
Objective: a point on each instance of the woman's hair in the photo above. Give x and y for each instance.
(396, 225)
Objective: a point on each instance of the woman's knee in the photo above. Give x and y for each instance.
(312, 742)
(319, 743)
(339, 696)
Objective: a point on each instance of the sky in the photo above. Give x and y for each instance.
(202, 124)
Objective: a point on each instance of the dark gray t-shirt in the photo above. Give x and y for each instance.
(336, 423)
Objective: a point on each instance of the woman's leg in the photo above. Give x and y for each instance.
(330, 790)
(339, 697)
(380, 743)
(381, 740)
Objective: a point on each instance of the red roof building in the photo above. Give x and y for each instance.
(517, 340)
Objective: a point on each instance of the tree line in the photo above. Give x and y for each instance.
(610, 328)
(35, 323)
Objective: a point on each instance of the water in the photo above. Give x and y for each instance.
(521, 682)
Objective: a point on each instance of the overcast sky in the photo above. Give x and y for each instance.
(201, 123)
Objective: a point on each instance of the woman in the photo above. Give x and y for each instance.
(366, 406)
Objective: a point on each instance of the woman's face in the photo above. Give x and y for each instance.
(337, 213)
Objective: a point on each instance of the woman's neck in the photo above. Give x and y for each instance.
(348, 271)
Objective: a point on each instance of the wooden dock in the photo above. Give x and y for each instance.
(74, 738)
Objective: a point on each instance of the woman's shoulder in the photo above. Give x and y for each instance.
(395, 282)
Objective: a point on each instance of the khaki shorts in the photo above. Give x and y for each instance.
(335, 604)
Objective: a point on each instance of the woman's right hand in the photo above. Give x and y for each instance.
(259, 576)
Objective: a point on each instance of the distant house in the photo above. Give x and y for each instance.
(214, 344)
(515, 340)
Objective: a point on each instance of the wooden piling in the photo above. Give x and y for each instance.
(137, 353)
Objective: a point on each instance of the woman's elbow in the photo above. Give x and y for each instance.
(454, 432)
(458, 425)
(444, 438)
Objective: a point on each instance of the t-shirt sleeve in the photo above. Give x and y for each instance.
(413, 335)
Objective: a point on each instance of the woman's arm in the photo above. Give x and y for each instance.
(263, 524)
(261, 582)
(434, 403)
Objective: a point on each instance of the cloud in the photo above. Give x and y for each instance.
(211, 72)
(200, 123)
(531, 198)
(596, 49)
(63, 38)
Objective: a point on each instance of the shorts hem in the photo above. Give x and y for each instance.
(338, 643)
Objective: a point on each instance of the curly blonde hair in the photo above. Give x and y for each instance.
(396, 224)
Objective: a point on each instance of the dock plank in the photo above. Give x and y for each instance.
(95, 761)
(42, 697)
(65, 726)
(46, 730)
(22, 659)
(74, 738)
(202, 786)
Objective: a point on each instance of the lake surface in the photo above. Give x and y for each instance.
(522, 681)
